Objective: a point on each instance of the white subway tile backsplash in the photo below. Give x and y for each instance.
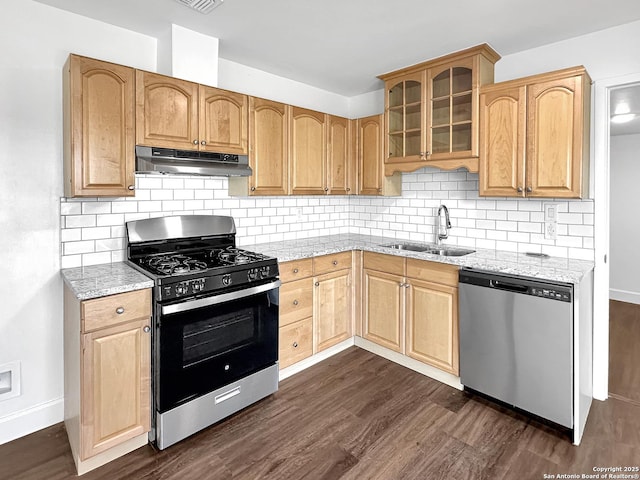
(93, 229)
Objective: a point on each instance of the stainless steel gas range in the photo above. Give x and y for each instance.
(215, 321)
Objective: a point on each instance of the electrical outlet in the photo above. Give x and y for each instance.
(550, 230)
(9, 380)
(298, 212)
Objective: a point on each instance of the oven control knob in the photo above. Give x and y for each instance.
(252, 274)
(197, 286)
(264, 271)
(181, 289)
(226, 280)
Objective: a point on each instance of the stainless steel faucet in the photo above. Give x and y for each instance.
(447, 224)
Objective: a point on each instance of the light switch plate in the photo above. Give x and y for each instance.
(9, 380)
(550, 212)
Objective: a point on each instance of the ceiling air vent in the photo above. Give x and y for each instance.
(202, 6)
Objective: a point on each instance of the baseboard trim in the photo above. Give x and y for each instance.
(409, 362)
(624, 296)
(317, 358)
(31, 420)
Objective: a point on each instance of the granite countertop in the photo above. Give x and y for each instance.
(549, 268)
(101, 280)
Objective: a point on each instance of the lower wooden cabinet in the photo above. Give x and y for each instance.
(432, 324)
(383, 309)
(295, 342)
(107, 375)
(332, 307)
(411, 306)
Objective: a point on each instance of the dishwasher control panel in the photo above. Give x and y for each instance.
(550, 293)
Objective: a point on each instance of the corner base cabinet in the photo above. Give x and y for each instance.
(107, 375)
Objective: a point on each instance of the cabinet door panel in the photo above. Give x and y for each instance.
(383, 306)
(295, 342)
(296, 301)
(502, 142)
(554, 138)
(166, 111)
(223, 121)
(332, 309)
(115, 386)
(101, 122)
(339, 157)
(268, 152)
(432, 324)
(370, 155)
(308, 152)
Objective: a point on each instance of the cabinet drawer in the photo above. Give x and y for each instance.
(433, 272)
(384, 263)
(296, 301)
(331, 263)
(123, 307)
(296, 269)
(296, 342)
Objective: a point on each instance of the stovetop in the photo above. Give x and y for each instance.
(169, 264)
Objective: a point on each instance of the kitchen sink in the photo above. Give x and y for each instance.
(445, 252)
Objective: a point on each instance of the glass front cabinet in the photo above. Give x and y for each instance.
(431, 111)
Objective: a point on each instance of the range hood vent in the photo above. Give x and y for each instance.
(202, 6)
(170, 161)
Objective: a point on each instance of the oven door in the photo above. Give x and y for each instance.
(209, 342)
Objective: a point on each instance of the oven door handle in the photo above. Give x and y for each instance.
(216, 299)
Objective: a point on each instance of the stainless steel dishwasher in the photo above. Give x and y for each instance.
(516, 342)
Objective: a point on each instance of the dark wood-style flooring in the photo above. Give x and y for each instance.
(624, 351)
(358, 416)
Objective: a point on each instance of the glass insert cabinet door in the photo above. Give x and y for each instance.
(451, 111)
(406, 118)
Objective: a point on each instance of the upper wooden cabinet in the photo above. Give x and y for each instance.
(431, 111)
(308, 152)
(535, 136)
(371, 180)
(340, 156)
(175, 113)
(268, 150)
(99, 127)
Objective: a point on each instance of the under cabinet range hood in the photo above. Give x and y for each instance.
(170, 161)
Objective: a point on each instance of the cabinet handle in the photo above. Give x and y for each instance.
(295, 270)
(529, 189)
(295, 302)
(146, 329)
(131, 187)
(317, 284)
(335, 262)
(295, 344)
(120, 310)
(253, 189)
(195, 142)
(203, 142)
(519, 189)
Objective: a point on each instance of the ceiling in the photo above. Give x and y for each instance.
(341, 45)
(621, 100)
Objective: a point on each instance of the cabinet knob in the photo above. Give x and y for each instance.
(406, 285)
(203, 143)
(120, 310)
(348, 189)
(253, 189)
(401, 284)
(379, 190)
(195, 142)
(131, 187)
(326, 189)
(295, 270)
(335, 262)
(529, 189)
(519, 189)
(295, 344)
(317, 284)
(295, 302)
(427, 153)
(146, 329)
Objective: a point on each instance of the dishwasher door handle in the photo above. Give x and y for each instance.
(511, 287)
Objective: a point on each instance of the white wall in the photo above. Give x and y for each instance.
(625, 227)
(35, 41)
